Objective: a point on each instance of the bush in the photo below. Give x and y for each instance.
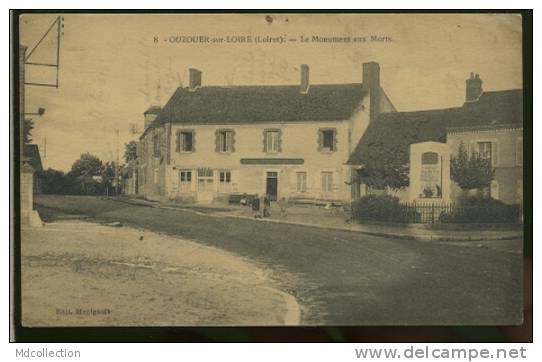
(482, 210)
(377, 208)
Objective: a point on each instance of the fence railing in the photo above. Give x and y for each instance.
(424, 212)
(434, 213)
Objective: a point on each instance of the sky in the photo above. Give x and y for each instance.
(112, 70)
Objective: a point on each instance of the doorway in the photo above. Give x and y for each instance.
(271, 187)
(205, 186)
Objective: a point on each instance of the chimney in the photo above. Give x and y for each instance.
(194, 79)
(371, 83)
(474, 88)
(304, 86)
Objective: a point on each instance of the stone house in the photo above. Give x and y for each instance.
(289, 141)
(488, 123)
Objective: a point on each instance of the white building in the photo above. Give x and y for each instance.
(208, 142)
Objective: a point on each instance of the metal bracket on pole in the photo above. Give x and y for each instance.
(59, 26)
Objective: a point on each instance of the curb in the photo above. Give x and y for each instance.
(428, 237)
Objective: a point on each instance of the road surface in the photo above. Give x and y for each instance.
(341, 277)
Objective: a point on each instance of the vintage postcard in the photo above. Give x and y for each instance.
(256, 169)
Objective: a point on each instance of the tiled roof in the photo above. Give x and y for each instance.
(400, 129)
(259, 104)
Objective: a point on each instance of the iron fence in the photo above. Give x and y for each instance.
(427, 212)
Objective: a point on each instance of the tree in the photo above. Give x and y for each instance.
(28, 126)
(87, 165)
(130, 151)
(53, 182)
(386, 166)
(474, 172)
(108, 176)
(85, 172)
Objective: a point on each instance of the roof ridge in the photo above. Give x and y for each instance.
(271, 85)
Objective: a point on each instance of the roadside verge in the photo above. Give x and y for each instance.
(84, 274)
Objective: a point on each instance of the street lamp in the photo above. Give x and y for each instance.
(40, 112)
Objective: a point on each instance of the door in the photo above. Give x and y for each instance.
(205, 185)
(272, 185)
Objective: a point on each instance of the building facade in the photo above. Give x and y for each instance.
(292, 142)
(489, 124)
(503, 147)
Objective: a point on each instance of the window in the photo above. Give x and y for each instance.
(327, 140)
(519, 151)
(484, 150)
(225, 177)
(301, 182)
(224, 141)
(185, 180)
(272, 140)
(327, 181)
(185, 141)
(224, 181)
(156, 145)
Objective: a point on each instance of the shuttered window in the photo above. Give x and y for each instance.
(224, 141)
(272, 140)
(301, 182)
(327, 181)
(184, 141)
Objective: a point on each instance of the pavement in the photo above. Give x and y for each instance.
(340, 277)
(317, 216)
(78, 273)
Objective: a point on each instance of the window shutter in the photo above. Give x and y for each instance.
(335, 181)
(293, 181)
(193, 141)
(178, 141)
(334, 140)
(323, 181)
(320, 140)
(494, 153)
(217, 141)
(265, 141)
(231, 141)
(279, 149)
(275, 140)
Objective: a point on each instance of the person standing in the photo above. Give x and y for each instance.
(266, 206)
